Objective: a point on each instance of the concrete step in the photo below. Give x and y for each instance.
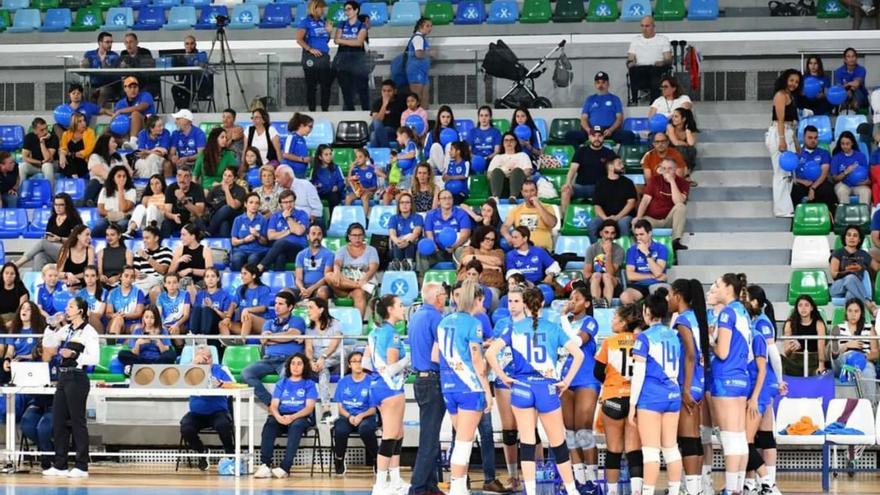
(709, 192)
(744, 241)
(729, 209)
(731, 136)
(733, 178)
(765, 224)
(756, 274)
(734, 257)
(734, 150)
(725, 163)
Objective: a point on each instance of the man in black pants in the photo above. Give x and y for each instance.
(208, 412)
(648, 59)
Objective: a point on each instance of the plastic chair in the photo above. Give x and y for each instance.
(470, 12)
(669, 10)
(405, 14)
(13, 222)
(5, 20)
(637, 125)
(76, 188)
(333, 243)
(36, 229)
(464, 128)
(136, 4)
(447, 277)
(238, 357)
(822, 123)
(813, 283)
(322, 133)
(634, 10)
(25, 21)
(35, 193)
(245, 16)
(11, 137)
(105, 4)
(300, 14)
(381, 156)
(831, 9)
(352, 132)
(810, 251)
(350, 320)
(380, 215)
(343, 157)
(535, 12)
(848, 123)
(75, 4)
(44, 5)
(119, 19)
(335, 13)
(564, 153)
(811, 219)
(560, 127)
(479, 188)
(440, 12)
(602, 11)
(150, 19)
(342, 217)
(197, 3)
(181, 18)
(703, 10)
(631, 155)
(572, 244)
(378, 12)
(849, 214)
(569, 11)
(259, 3)
(87, 19)
(15, 4)
(577, 219)
(404, 285)
(790, 411)
(278, 280)
(276, 15)
(861, 418)
(503, 12)
(165, 4)
(208, 16)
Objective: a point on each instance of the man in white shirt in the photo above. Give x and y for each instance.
(648, 59)
(307, 198)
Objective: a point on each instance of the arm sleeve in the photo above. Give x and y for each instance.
(775, 360)
(638, 379)
(399, 366)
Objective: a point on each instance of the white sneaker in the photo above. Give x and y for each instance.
(263, 472)
(400, 488)
(279, 473)
(381, 490)
(77, 473)
(52, 472)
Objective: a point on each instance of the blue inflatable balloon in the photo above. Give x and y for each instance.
(503, 244)
(447, 237)
(836, 94)
(116, 366)
(447, 136)
(120, 125)
(426, 247)
(857, 176)
(789, 161)
(548, 293)
(415, 123)
(812, 87)
(478, 164)
(856, 360)
(63, 113)
(810, 170)
(456, 187)
(658, 123)
(523, 132)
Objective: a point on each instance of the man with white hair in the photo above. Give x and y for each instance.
(664, 202)
(307, 198)
(208, 412)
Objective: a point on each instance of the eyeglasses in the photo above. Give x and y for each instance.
(286, 201)
(661, 141)
(356, 236)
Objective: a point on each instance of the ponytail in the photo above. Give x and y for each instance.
(534, 301)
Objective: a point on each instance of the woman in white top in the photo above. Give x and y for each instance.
(102, 159)
(509, 169)
(843, 351)
(322, 352)
(115, 201)
(262, 136)
(670, 99)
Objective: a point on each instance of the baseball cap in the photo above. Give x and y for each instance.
(183, 114)
(597, 129)
(129, 80)
(601, 76)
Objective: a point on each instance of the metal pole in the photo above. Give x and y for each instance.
(268, 79)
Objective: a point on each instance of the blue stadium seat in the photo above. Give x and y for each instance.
(405, 13)
(350, 320)
(342, 217)
(404, 285)
(76, 188)
(119, 19)
(281, 127)
(503, 12)
(89, 216)
(208, 16)
(378, 12)
(150, 19)
(135, 4)
(16, 4)
(231, 281)
(244, 17)
(278, 280)
(322, 133)
(703, 10)
(37, 228)
(822, 123)
(57, 20)
(638, 126)
(572, 244)
(464, 128)
(848, 123)
(381, 156)
(291, 2)
(25, 21)
(98, 244)
(470, 12)
(197, 3)
(11, 137)
(171, 243)
(13, 222)
(634, 10)
(380, 215)
(541, 124)
(603, 318)
(167, 4)
(35, 193)
(222, 244)
(276, 15)
(300, 14)
(259, 3)
(181, 18)
(2, 253)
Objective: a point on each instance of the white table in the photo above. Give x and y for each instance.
(237, 394)
(159, 72)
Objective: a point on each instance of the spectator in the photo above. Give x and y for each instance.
(137, 104)
(682, 132)
(532, 146)
(446, 216)
(13, 293)
(385, 113)
(846, 159)
(418, 61)
(862, 8)
(26, 320)
(268, 190)
(852, 77)
(484, 248)
(63, 218)
(36, 422)
(284, 177)
(190, 259)
(76, 253)
(77, 144)
(154, 143)
(354, 269)
(414, 107)
(408, 156)
(225, 202)
(327, 177)
(234, 133)
(76, 104)
(589, 164)
(533, 215)
(212, 305)
(532, 261)
(295, 152)
(322, 350)
(113, 258)
(174, 304)
(103, 57)
(150, 212)
(363, 179)
(648, 59)
(313, 265)
(425, 193)
(9, 181)
(188, 84)
(819, 190)
(645, 264)
(306, 195)
(604, 110)
(842, 351)
(487, 216)
(458, 170)
(287, 233)
(404, 231)
(664, 202)
(615, 200)
(509, 169)
(670, 100)
(262, 136)
(103, 158)
(351, 63)
(313, 36)
(356, 414)
(38, 152)
(184, 203)
(434, 150)
(277, 349)
(94, 293)
(782, 135)
(213, 159)
(251, 161)
(250, 303)
(805, 320)
(134, 57)
(291, 410)
(147, 350)
(485, 139)
(602, 265)
(248, 235)
(151, 261)
(46, 293)
(850, 264)
(210, 411)
(115, 201)
(188, 141)
(125, 304)
(661, 151)
(814, 69)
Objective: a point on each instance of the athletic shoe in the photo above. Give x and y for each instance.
(592, 488)
(495, 486)
(77, 473)
(835, 344)
(513, 485)
(52, 472)
(400, 488)
(263, 472)
(339, 465)
(327, 418)
(279, 473)
(678, 246)
(379, 490)
(394, 266)
(203, 463)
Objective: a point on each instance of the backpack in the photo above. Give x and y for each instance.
(562, 71)
(398, 65)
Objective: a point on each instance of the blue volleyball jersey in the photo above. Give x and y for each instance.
(405, 225)
(689, 320)
(484, 141)
(366, 176)
(532, 264)
(505, 355)
(295, 145)
(293, 395)
(661, 348)
(253, 297)
(535, 351)
(584, 375)
(354, 395)
(732, 370)
(759, 349)
(188, 144)
(459, 168)
(149, 351)
(171, 307)
(241, 228)
(457, 221)
(220, 300)
(46, 298)
(316, 34)
(90, 298)
(279, 325)
(382, 340)
(455, 334)
(408, 165)
(764, 330)
(125, 303)
(278, 223)
(23, 346)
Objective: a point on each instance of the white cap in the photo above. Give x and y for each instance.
(184, 114)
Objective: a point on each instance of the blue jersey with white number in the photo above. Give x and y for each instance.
(732, 370)
(661, 348)
(584, 375)
(505, 355)
(461, 167)
(689, 320)
(535, 351)
(354, 395)
(763, 330)
(171, 307)
(382, 340)
(455, 334)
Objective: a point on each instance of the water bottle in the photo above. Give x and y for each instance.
(550, 469)
(540, 474)
(625, 488)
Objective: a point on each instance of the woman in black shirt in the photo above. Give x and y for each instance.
(62, 220)
(13, 293)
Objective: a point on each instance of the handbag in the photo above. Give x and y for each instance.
(382, 245)
(312, 62)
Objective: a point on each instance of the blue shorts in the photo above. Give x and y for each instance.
(730, 387)
(379, 391)
(766, 398)
(417, 72)
(499, 385)
(660, 406)
(465, 401)
(697, 391)
(535, 393)
(583, 378)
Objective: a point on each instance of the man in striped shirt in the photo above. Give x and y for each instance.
(150, 263)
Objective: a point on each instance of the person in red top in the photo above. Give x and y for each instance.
(664, 201)
(661, 151)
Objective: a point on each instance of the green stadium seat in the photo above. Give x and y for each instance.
(447, 277)
(577, 219)
(343, 157)
(632, 157)
(102, 370)
(866, 243)
(106, 4)
(849, 214)
(667, 241)
(877, 288)
(334, 243)
(535, 12)
(207, 127)
(44, 5)
(87, 19)
(839, 316)
(624, 242)
(831, 9)
(558, 181)
(564, 153)
(503, 125)
(602, 11)
(569, 11)
(75, 4)
(238, 357)
(439, 12)
(813, 283)
(5, 20)
(479, 189)
(669, 10)
(559, 127)
(811, 219)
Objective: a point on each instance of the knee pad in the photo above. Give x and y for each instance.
(651, 455)
(570, 439)
(398, 446)
(635, 463)
(461, 455)
(731, 443)
(560, 453)
(586, 439)
(612, 460)
(509, 437)
(705, 435)
(690, 446)
(765, 440)
(527, 452)
(671, 454)
(386, 448)
(755, 459)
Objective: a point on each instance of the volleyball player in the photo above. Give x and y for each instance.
(463, 381)
(509, 433)
(656, 393)
(386, 351)
(579, 401)
(535, 386)
(686, 298)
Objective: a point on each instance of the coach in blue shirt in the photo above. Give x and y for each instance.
(601, 109)
(208, 411)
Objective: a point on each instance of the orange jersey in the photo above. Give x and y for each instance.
(616, 355)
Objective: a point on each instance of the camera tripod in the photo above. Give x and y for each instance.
(225, 60)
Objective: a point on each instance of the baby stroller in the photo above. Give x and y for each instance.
(500, 61)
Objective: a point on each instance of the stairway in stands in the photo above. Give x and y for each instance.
(730, 216)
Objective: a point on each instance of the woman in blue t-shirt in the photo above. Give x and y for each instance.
(533, 145)
(327, 177)
(356, 413)
(352, 69)
(849, 169)
(852, 77)
(313, 36)
(250, 303)
(94, 294)
(28, 320)
(291, 410)
(147, 350)
(404, 231)
(248, 236)
(485, 139)
(458, 170)
(295, 151)
(212, 305)
(814, 69)
(418, 60)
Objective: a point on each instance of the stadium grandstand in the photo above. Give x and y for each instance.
(428, 247)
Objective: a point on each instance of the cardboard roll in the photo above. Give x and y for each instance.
(170, 376)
